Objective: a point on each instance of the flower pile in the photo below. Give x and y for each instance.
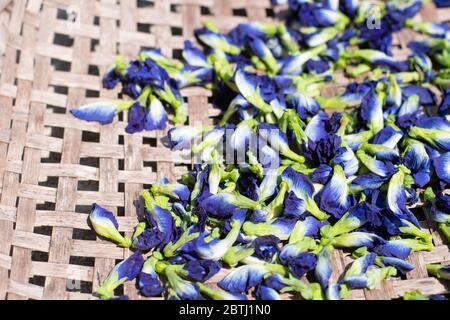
(295, 182)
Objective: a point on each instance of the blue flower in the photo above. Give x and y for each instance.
(324, 269)
(441, 209)
(215, 249)
(105, 225)
(399, 264)
(371, 111)
(366, 182)
(102, 112)
(202, 270)
(164, 222)
(322, 151)
(194, 56)
(303, 189)
(149, 239)
(181, 289)
(266, 293)
(322, 174)
(357, 240)
(316, 128)
(348, 161)
(243, 278)
(442, 167)
(149, 283)
(293, 65)
(136, 121)
(442, 3)
(293, 206)
(223, 204)
(217, 41)
(388, 137)
(426, 96)
(393, 248)
(180, 137)
(355, 276)
(382, 168)
(111, 79)
(317, 66)
(266, 247)
(302, 263)
(156, 118)
(248, 186)
(334, 198)
(305, 105)
(417, 160)
(127, 270)
(444, 107)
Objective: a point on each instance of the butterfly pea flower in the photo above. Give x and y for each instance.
(322, 36)
(309, 227)
(399, 264)
(378, 58)
(245, 277)
(216, 248)
(294, 248)
(355, 276)
(439, 210)
(303, 189)
(376, 275)
(442, 167)
(236, 254)
(149, 283)
(321, 174)
(156, 56)
(417, 295)
(366, 182)
(223, 204)
(278, 141)
(126, 270)
(181, 137)
(322, 151)
(248, 185)
(293, 206)
(302, 263)
(417, 160)
(371, 111)
(177, 191)
(381, 152)
(388, 137)
(248, 87)
(194, 56)
(102, 111)
(355, 140)
(159, 216)
(383, 169)
(334, 198)
(444, 107)
(148, 239)
(217, 41)
(293, 65)
(280, 227)
(243, 135)
(266, 247)
(194, 76)
(105, 225)
(260, 49)
(181, 289)
(324, 269)
(201, 270)
(219, 294)
(440, 271)
(437, 30)
(357, 239)
(433, 130)
(304, 105)
(266, 293)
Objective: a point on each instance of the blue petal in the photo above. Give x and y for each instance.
(272, 134)
(103, 112)
(243, 278)
(298, 183)
(322, 173)
(388, 137)
(193, 56)
(302, 263)
(150, 285)
(371, 111)
(334, 198)
(180, 137)
(266, 293)
(442, 167)
(164, 221)
(347, 159)
(305, 105)
(393, 248)
(400, 264)
(324, 269)
(220, 205)
(418, 161)
(156, 118)
(293, 206)
(426, 96)
(369, 181)
(357, 240)
(130, 268)
(316, 130)
(202, 270)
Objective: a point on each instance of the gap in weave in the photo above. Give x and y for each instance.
(90, 161)
(46, 206)
(145, 3)
(240, 12)
(60, 65)
(152, 142)
(270, 13)
(51, 182)
(177, 54)
(37, 280)
(92, 94)
(174, 8)
(18, 54)
(83, 234)
(121, 187)
(89, 136)
(144, 27)
(418, 212)
(60, 89)
(39, 256)
(83, 209)
(94, 44)
(53, 157)
(151, 164)
(56, 109)
(176, 31)
(96, 21)
(205, 11)
(121, 164)
(93, 70)
(121, 211)
(43, 230)
(63, 40)
(61, 14)
(56, 132)
(88, 185)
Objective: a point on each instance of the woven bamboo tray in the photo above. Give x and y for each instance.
(53, 166)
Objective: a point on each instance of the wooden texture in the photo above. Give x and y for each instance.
(53, 166)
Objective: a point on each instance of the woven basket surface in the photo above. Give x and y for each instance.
(54, 166)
